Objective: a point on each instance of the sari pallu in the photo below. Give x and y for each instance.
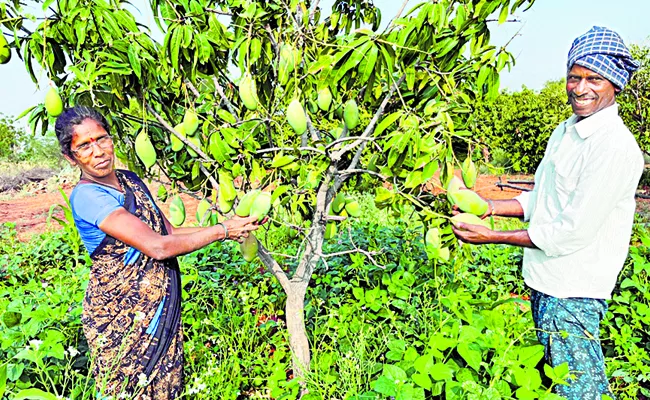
(134, 355)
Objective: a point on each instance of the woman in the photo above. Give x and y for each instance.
(131, 310)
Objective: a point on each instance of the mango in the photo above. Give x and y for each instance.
(196, 140)
(287, 63)
(469, 172)
(5, 50)
(469, 201)
(454, 185)
(469, 219)
(248, 92)
(296, 117)
(53, 103)
(261, 206)
(249, 247)
(177, 144)
(338, 203)
(203, 212)
(351, 114)
(224, 205)
(177, 211)
(190, 122)
(353, 208)
(432, 238)
(330, 230)
(324, 99)
(144, 149)
(243, 209)
(226, 186)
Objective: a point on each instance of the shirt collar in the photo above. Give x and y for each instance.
(593, 123)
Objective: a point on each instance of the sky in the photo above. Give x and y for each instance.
(543, 37)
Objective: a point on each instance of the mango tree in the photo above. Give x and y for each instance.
(275, 96)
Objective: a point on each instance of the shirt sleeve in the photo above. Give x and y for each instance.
(600, 187)
(93, 204)
(525, 200)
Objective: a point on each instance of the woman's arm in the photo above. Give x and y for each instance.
(126, 227)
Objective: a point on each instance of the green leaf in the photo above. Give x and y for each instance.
(175, 46)
(134, 60)
(470, 354)
(422, 380)
(503, 16)
(441, 372)
(394, 373)
(34, 394)
(356, 56)
(367, 65)
(387, 121)
(385, 385)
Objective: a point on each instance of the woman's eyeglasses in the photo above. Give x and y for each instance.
(86, 149)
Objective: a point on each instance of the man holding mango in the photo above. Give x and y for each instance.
(580, 212)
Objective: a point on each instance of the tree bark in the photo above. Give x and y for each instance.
(298, 341)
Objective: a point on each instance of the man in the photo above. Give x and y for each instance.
(581, 213)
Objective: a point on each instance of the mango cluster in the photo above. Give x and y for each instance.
(341, 205)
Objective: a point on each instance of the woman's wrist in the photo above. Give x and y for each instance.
(225, 230)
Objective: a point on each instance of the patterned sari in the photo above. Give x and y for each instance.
(131, 311)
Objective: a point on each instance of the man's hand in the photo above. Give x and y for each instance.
(474, 234)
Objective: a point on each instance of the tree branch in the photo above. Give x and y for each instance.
(362, 171)
(369, 129)
(274, 267)
(274, 149)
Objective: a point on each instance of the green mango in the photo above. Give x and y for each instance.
(191, 122)
(177, 144)
(455, 185)
(202, 212)
(53, 103)
(469, 172)
(248, 92)
(330, 230)
(144, 149)
(243, 209)
(432, 238)
(468, 201)
(353, 208)
(261, 206)
(296, 117)
(249, 247)
(469, 219)
(338, 203)
(351, 114)
(177, 211)
(324, 99)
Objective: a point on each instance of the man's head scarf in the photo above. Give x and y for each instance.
(602, 50)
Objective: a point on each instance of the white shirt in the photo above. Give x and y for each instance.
(582, 207)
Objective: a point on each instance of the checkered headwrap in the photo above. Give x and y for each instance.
(603, 51)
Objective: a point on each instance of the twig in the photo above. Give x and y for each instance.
(182, 138)
(227, 102)
(192, 88)
(370, 128)
(274, 149)
(363, 171)
(506, 185)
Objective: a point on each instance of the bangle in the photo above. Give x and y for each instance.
(491, 204)
(225, 230)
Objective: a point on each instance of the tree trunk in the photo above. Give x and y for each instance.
(295, 313)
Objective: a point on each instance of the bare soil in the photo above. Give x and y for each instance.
(30, 211)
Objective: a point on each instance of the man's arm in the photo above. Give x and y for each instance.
(505, 208)
(476, 234)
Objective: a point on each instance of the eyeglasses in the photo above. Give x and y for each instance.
(86, 149)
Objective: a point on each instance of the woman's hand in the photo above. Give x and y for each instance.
(239, 227)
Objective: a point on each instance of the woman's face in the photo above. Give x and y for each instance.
(92, 149)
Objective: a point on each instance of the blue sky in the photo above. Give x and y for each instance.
(543, 39)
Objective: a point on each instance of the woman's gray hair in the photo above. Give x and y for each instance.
(66, 121)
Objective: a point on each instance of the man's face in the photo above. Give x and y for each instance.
(588, 91)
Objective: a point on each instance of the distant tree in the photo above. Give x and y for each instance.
(634, 101)
(10, 137)
(520, 123)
